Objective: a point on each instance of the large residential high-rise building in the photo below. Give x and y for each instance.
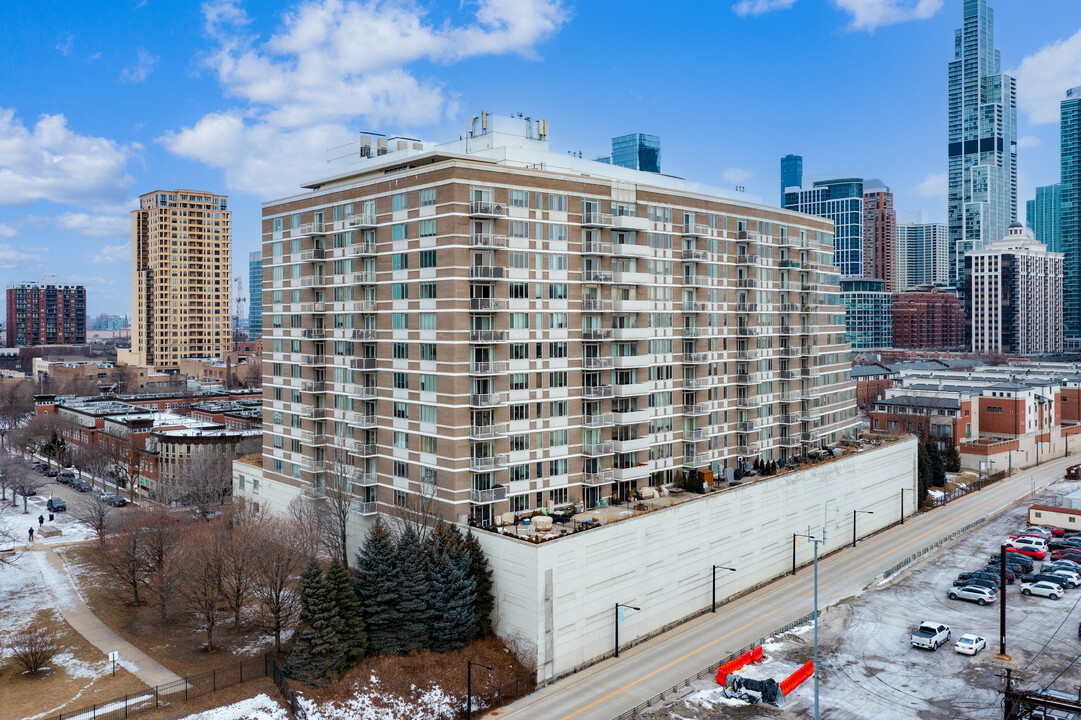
(868, 313)
(1043, 216)
(637, 151)
(492, 327)
(1013, 298)
(791, 173)
(879, 234)
(255, 294)
(45, 313)
(922, 255)
(839, 200)
(982, 147)
(926, 317)
(1070, 219)
(181, 278)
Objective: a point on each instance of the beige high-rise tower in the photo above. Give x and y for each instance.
(181, 274)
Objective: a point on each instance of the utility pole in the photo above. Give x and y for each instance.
(618, 606)
(815, 663)
(902, 506)
(868, 512)
(469, 686)
(1002, 600)
(715, 569)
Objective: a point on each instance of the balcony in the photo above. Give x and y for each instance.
(638, 472)
(597, 334)
(370, 507)
(749, 235)
(748, 330)
(695, 230)
(750, 260)
(596, 219)
(597, 449)
(789, 441)
(632, 389)
(696, 358)
(696, 460)
(312, 228)
(597, 391)
(312, 254)
(693, 332)
(314, 333)
(596, 276)
(364, 449)
(751, 449)
(363, 479)
(787, 330)
(363, 334)
(488, 368)
(487, 272)
(487, 305)
(787, 375)
(488, 432)
(630, 222)
(810, 372)
(360, 420)
(695, 307)
(748, 378)
(696, 409)
(749, 283)
(602, 477)
(487, 495)
(632, 333)
(487, 336)
(790, 352)
(487, 240)
(362, 278)
(361, 221)
(361, 248)
(363, 392)
(487, 464)
(486, 399)
(808, 287)
(595, 305)
(748, 401)
(788, 308)
(808, 437)
(791, 419)
(695, 383)
(596, 248)
(635, 417)
(694, 254)
(629, 445)
(788, 264)
(749, 354)
(696, 280)
(598, 421)
(746, 307)
(597, 363)
(695, 435)
(486, 208)
(363, 363)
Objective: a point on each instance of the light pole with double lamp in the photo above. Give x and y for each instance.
(816, 542)
(469, 686)
(618, 606)
(866, 512)
(715, 569)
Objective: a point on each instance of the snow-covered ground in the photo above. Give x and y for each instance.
(260, 707)
(16, 523)
(432, 704)
(870, 670)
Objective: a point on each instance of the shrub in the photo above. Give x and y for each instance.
(32, 650)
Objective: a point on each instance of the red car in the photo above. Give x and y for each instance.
(1038, 536)
(1034, 554)
(1065, 554)
(1056, 531)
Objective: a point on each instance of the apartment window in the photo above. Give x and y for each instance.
(557, 203)
(428, 413)
(520, 503)
(401, 261)
(401, 380)
(557, 379)
(519, 351)
(401, 469)
(519, 412)
(518, 291)
(427, 258)
(401, 410)
(557, 321)
(518, 198)
(518, 321)
(557, 438)
(519, 381)
(427, 197)
(558, 467)
(557, 233)
(427, 291)
(401, 439)
(427, 351)
(519, 259)
(400, 291)
(519, 442)
(557, 409)
(557, 350)
(401, 351)
(518, 229)
(399, 202)
(427, 229)
(557, 291)
(557, 261)
(400, 321)
(428, 321)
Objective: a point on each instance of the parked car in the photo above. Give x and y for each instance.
(1015, 559)
(116, 501)
(1044, 588)
(978, 574)
(51, 473)
(1012, 571)
(56, 505)
(1056, 531)
(1029, 551)
(1065, 564)
(66, 478)
(930, 635)
(1060, 543)
(975, 593)
(969, 644)
(1072, 579)
(27, 490)
(1041, 534)
(991, 585)
(1028, 543)
(1044, 576)
(82, 486)
(1067, 554)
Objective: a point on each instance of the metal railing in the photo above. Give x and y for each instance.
(917, 555)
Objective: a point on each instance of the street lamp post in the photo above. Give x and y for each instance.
(618, 606)
(469, 686)
(867, 512)
(715, 569)
(816, 676)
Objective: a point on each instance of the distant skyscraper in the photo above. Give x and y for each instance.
(1070, 221)
(840, 200)
(1043, 216)
(982, 140)
(637, 151)
(791, 173)
(922, 255)
(868, 313)
(255, 292)
(879, 233)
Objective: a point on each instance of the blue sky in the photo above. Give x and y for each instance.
(100, 103)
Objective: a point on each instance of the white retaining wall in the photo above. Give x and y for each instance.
(559, 596)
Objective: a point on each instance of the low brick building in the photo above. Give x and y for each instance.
(927, 318)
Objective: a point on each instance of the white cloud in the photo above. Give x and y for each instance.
(1044, 76)
(331, 62)
(50, 162)
(65, 44)
(737, 176)
(111, 255)
(7, 231)
(94, 225)
(1028, 141)
(759, 7)
(934, 185)
(11, 257)
(142, 68)
(870, 14)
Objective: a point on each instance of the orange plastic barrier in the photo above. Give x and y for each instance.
(792, 681)
(735, 664)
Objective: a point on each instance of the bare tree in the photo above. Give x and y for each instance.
(124, 463)
(276, 569)
(8, 540)
(203, 480)
(162, 531)
(95, 513)
(307, 525)
(34, 649)
(253, 377)
(11, 477)
(93, 461)
(16, 405)
(238, 569)
(124, 557)
(338, 476)
(419, 511)
(200, 572)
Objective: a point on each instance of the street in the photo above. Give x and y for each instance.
(614, 686)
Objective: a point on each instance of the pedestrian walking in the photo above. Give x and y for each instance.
(41, 520)
(31, 534)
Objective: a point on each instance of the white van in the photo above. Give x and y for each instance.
(1028, 543)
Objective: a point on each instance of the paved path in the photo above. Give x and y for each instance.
(70, 604)
(614, 686)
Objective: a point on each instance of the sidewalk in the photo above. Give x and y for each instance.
(70, 604)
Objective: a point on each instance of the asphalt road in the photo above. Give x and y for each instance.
(614, 686)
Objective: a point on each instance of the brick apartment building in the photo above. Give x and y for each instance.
(45, 313)
(926, 318)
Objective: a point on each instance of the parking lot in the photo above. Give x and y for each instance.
(869, 669)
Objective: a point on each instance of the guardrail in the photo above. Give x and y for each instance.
(708, 672)
(917, 555)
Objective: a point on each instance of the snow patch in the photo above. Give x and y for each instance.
(259, 707)
(433, 703)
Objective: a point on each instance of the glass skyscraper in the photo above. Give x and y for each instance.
(637, 151)
(841, 201)
(982, 140)
(255, 292)
(791, 173)
(1042, 216)
(1070, 220)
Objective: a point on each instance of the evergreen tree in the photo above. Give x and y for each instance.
(453, 592)
(415, 615)
(378, 586)
(951, 458)
(315, 639)
(349, 620)
(923, 472)
(484, 599)
(938, 467)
